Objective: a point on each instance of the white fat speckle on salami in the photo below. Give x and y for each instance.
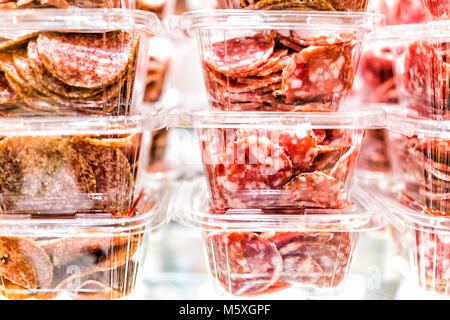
(86, 60)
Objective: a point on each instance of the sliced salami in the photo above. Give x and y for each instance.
(23, 263)
(239, 55)
(50, 83)
(7, 95)
(318, 73)
(87, 60)
(248, 166)
(244, 263)
(314, 189)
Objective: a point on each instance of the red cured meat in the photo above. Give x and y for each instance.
(314, 189)
(318, 73)
(438, 8)
(344, 39)
(247, 166)
(7, 95)
(403, 11)
(243, 263)
(239, 55)
(433, 260)
(299, 144)
(426, 75)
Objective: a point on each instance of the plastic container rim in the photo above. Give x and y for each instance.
(404, 124)
(277, 19)
(358, 218)
(372, 119)
(24, 21)
(80, 125)
(434, 30)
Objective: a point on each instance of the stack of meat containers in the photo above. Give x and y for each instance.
(75, 213)
(419, 144)
(279, 151)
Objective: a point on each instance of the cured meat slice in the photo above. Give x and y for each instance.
(112, 171)
(23, 263)
(438, 8)
(248, 166)
(272, 65)
(344, 39)
(64, 250)
(314, 189)
(38, 169)
(12, 44)
(425, 75)
(87, 60)
(318, 73)
(298, 143)
(243, 263)
(7, 95)
(239, 55)
(49, 83)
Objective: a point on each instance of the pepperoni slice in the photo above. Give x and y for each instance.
(244, 263)
(86, 60)
(314, 189)
(250, 167)
(318, 73)
(239, 55)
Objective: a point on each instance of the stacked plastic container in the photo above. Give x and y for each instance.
(279, 151)
(75, 210)
(418, 137)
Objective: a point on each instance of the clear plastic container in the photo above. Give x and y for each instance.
(437, 9)
(64, 166)
(400, 11)
(302, 5)
(74, 62)
(250, 253)
(422, 67)
(64, 4)
(427, 240)
(85, 256)
(420, 156)
(278, 60)
(270, 160)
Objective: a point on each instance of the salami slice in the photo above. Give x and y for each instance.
(48, 83)
(318, 73)
(87, 60)
(112, 171)
(426, 75)
(248, 168)
(64, 250)
(344, 39)
(239, 55)
(12, 44)
(314, 189)
(272, 65)
(23, 263)
(7, 95)
(299, 144)
(244, 263)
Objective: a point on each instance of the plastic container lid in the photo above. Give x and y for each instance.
(420, 31)
(80, 125)
(409, 125)
(288, 20)
(191, 209)
(16, 23)
(412, 216)
(151, 214)
(372, 119)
